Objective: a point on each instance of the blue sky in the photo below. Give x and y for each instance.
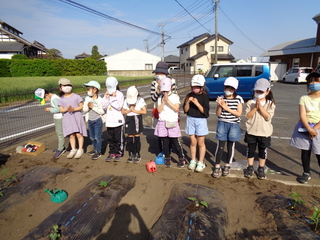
(252, 25)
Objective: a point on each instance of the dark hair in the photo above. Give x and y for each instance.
(46, 92)
(270, 97)
(311, 77)
(60, 92)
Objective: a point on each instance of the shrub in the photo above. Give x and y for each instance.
(5, 68)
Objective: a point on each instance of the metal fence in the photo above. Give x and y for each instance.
(25, 119)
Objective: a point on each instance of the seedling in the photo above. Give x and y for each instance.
(9, 177)
(197, 203)
(56, 233)
(296, 198)
(316, 217)
(1, 194)
(103, 184)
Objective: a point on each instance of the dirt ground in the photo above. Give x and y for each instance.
(247, 219)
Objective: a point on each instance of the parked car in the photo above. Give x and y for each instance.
(246, 73)
(297, 74)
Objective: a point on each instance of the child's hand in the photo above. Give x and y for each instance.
(131, 108)
(190, 99)
(113, 94)
(90, 105)
(47, 109)
(70, 108)
(107, 94)
(312, 133)
(258, 104)
(195, 101)
(165, 97)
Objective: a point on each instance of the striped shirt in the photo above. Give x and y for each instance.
(233, 105)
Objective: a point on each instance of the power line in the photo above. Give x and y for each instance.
(87, 9)
(241, 31)
(191, 15)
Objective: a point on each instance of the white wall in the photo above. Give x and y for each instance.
(132, 59)
(6, 56)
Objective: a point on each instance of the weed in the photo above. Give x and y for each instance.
(103, 184)
(296, 198)
(56, 233)
(316, 217)
(1, 194)
(10, 177)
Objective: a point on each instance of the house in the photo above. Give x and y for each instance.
(298, 53)
(82, 56)
(132, 62)
(12, 43)
(199, 52)
(172, 61)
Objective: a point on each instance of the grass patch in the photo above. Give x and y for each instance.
(22, 88)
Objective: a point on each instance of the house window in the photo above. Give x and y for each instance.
(181, 51)
(295, 62)
(220, 48)
(211, 48)
(186, 49)
(149, 66)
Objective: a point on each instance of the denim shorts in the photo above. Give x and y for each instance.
(228, 131)
(196, 126)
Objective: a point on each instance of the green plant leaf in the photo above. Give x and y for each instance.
(204, 204)
(192, 198)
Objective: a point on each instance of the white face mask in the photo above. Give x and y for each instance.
(90, 94)
(259, 96)
(228, 93)
(160, 77)
(66, 89)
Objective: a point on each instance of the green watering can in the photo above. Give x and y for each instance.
(57, 195)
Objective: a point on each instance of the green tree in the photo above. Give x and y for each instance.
(19, 56)
(53, 54)
(95, 53)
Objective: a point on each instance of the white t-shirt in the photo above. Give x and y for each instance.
(167, 113)
(138, 106)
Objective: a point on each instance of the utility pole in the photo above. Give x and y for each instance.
(162, 42)
(216, 34)
(147, 45)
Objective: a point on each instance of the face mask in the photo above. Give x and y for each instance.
(228, 93)
(66, 89)
(160, 77)
(259, 96)
(90, 94)
(314, 87)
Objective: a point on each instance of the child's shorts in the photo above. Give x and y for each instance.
(263, 142)
(228, 131)
(196, 126)
(162, 131)
(302, 141)
(133, 125)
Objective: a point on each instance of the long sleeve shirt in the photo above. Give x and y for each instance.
(113, 106)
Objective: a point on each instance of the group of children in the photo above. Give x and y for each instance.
(110, 109)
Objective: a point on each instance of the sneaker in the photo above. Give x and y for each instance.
(110, 157)
(79, 153)
(72, 153)
(167, 162)
(130, 158)
(216, 172)
(96, 155)
(304, 178)
(260, 173)
(200, 166)
(137, 158)
(226, 171)
(181, 163)
(92, 152)
(249, 172)
(192, 165)
(58, 153)
(117, 157)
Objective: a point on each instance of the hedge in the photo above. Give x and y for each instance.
(54, 67)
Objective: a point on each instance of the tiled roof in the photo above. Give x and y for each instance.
(195, 39)
(172, 59)
(213, 37)
(11, 46)
(293, 47)
(198, 55)
(224, 57)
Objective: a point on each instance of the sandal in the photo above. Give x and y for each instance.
(226, 171)
(216, 172)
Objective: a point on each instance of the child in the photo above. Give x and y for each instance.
(306, 135)
(73, 123)
(43, 95)
(95, 116)
(259, 113)
(168, 128)
(112, 103)
(196, 106)
(134, 106)
(229, 110)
